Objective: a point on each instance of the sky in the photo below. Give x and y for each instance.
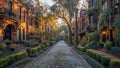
(50, 2)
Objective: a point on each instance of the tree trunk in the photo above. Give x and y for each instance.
(70, 30)
(70, 35)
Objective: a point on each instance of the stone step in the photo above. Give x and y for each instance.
(20, 47)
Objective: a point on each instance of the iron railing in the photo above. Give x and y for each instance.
(8, 13)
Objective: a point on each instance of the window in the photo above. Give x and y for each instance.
(116, 2)
(9, 5)
(19, 13)
(83, 12)
(114, 7)
(94, 2)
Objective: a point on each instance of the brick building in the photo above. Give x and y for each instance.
(82, 22)
(109, 10)
(17, 19)
(93, 18)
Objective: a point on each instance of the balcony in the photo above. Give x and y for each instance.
(8, 14)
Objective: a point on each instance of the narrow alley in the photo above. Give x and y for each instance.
(60, 56)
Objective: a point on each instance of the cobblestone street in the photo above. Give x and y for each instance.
(60, 56)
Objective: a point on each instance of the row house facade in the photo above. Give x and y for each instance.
(17, 19)
(93, 19)
(113, 7)
(82, 22)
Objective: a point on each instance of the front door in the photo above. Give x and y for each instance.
(8, 33)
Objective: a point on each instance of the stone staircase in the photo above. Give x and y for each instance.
(20, 47)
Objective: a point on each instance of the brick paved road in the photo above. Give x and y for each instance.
(60, 56)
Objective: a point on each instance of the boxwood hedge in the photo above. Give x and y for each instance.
(6, 61)
(114, 63)
(82, 49)
(104, 59)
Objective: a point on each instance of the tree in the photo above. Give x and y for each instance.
(47, 20)
(65, 9)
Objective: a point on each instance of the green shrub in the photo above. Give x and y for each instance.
(39, 48)
(8, 42)
(96, 55)
(2, 46)
(35, 37)
(114, 63)
(34, 51)
(108, 44)
(83, 49)
(94, 45)
(88, 52)
(99, 56)
(92, 35)
(48, 43)
(91, 53)
(4, 62)
(83, 42)
(105, 60)
(20, 55)
(31, 43)
(53, 42)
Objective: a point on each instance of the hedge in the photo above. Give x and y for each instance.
(104, 59)
(6, 61)
(114, 63)
(31, 43)
(96, 55)
(83, 49)
(33, 52)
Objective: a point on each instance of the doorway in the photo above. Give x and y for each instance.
(8, 31)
